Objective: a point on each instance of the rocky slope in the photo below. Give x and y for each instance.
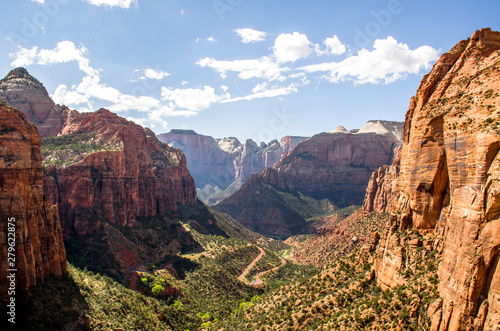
(221, 164)
(446, 182)
(332, 169)
(22, 91)
(39, 248)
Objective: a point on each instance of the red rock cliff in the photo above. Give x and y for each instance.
(25, 93)
(221, 162)
(448, 181)
(327, 169)
(337, 162)
(39, 244)
(129, 174)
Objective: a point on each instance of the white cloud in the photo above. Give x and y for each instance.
(248, 35)
(182, 12)
(190, 99)
(69, 97)
(388, 62)
(211, 39)
(263, 67)
(291, 47)
(112, 3)
(334, 46)
(24, 57)
(264, 91)
(184, 82)
(154, 74)
(89, 88)
(224, 88)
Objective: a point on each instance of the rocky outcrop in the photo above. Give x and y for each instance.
(325, 171)
(208, 163)
(39, 248)
(126, 173)
(217, 164)
(382, 186)
(338, 164)
(25, 93)
(448, 182)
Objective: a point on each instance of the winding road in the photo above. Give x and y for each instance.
(251, 265)
(257, 281)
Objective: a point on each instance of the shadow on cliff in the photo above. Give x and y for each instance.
(56, 305)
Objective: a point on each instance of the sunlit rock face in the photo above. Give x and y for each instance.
(446, 179)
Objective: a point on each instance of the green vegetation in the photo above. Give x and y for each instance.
(345, 296)
(82, 300)
(64, 150)
(291, 209)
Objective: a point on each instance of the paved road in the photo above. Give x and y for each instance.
(258, 281)
(251, 265)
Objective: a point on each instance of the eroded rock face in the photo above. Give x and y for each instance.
(25, 93)
(326, 170)
(39, 243)
(448, 180)
(339, 162)
(139, 176)
(221, 162)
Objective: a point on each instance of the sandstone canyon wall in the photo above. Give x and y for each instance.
(446, 180)
(217, 163)
(132, 174)
(107, 175)
(326, 171)
(39, 249)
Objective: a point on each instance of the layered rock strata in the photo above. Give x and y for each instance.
(126, 173)
(326, 171)
(25, 93)
(39, 249)
(218, 163)
(447, 181)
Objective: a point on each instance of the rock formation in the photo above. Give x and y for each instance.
(337, 164)
(129, 173)
(107, 175)
(25, 93)
(39, 248)
(331, 169)
(216, 164)
(446, 180)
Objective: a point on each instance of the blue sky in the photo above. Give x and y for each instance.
(245, 68)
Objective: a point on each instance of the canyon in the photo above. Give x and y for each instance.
(107, 176)
(424, 246)
(325, 172)
(220, 166)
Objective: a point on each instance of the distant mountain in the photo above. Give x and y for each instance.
(220, 166)
(327, 171)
